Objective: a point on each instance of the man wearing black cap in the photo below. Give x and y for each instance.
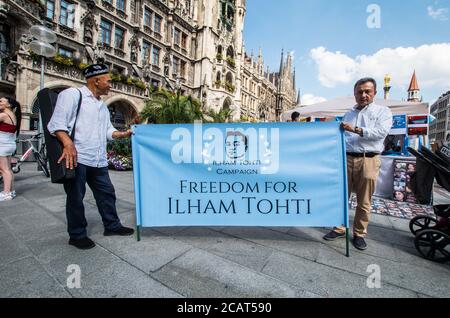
(87, 153)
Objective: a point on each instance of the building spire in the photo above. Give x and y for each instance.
(414, 86)
(414, 90)
(293, 80)
(282, 62)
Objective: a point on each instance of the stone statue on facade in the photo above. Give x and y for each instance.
(146, 68)
(166, 62)
(12, 69)
(88, 20)
(134, 48)
(25, 39)
(4, 9)
(99, 53)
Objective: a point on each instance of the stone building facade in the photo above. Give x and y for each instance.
(440, 127)
(194, 46)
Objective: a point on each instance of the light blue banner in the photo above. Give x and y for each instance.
(284, 174)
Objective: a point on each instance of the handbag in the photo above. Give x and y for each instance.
(58, 172)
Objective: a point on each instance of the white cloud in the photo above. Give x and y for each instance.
(333, 67)
(431, 62)
(438, 14)
(309, 99)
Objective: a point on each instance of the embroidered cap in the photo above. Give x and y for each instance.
(95, 70)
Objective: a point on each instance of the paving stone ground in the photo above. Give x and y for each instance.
(198, 262)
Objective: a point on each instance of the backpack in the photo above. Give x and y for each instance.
(59, 173)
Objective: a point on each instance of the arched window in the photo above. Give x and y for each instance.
(122, 114)
(218, 80)
(227, 103)
(229, 78)
(229, 83)
(230, 52)
(220, 53)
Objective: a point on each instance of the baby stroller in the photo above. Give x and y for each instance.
(432, 234)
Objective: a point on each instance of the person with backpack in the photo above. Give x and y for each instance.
(10, 117)
(87, 153)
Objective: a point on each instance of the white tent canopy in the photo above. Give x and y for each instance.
(339, 106)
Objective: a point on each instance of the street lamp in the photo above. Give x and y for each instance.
(41, 45)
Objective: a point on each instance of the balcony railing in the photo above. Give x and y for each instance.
(65, 30)
(129, 89)
(75, 74)
(157, 36)
(119, 52)
(147, 29)
(121, 14)
(156, 68)
(32, 7)
(108, 6)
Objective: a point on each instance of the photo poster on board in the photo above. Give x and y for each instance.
(418, 125)
(395, 143)
(398, 125)
(403, 172)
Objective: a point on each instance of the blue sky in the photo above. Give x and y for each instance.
(413, 34)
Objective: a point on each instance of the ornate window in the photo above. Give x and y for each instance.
(157, 24)
(119, 38)
(120, 4)
(106, 29)
(65, 52)
(146, 47)
(50, 9)
(176, 36)
(155, 56)
(228, 11)
(67, 15)
(147, 17)
(176, 66)
(184, 40)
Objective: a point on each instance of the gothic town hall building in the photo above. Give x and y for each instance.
(195, 46)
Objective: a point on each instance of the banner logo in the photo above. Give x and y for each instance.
(236, 151)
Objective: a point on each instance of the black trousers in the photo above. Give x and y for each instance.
(104, 194)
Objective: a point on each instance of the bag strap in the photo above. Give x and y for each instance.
(72, 135)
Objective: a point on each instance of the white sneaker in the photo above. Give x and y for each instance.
(6, 196)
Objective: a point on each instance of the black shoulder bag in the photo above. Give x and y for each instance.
(58, 171)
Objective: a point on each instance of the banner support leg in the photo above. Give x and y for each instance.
(138, 233)
(347, 237)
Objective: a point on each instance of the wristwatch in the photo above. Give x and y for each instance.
(359, 131)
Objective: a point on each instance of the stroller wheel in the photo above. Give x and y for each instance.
(422, 222)
(433, 245)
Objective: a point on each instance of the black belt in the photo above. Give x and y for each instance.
(362, 155)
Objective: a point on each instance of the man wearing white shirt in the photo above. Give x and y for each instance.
(87, 154)
(366, 127)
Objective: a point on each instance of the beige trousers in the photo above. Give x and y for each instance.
(362, 174)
